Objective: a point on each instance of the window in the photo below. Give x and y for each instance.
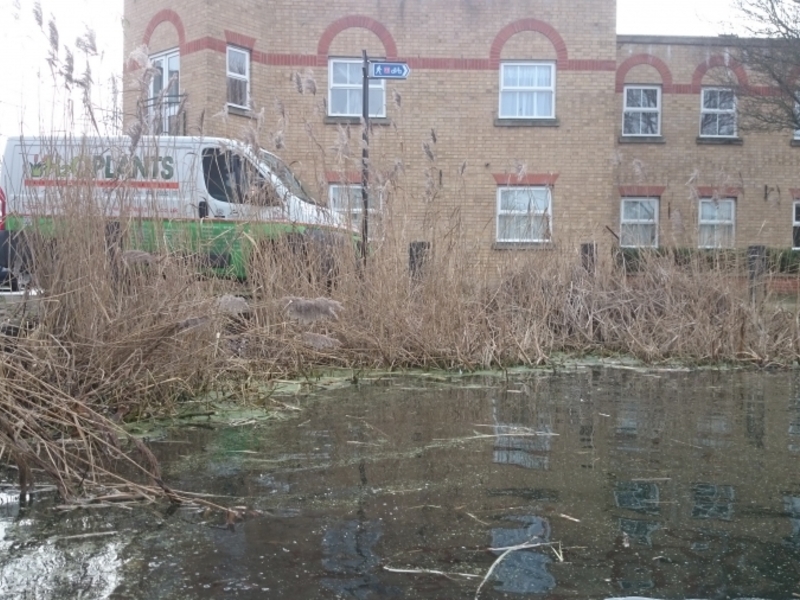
(639, 223)
(523, 214)
(642, 111)
(346, 200)
(164, 102)
(527, 90)
(344, 90)
(718, 113)
(235, 179)
(716, 223)
(238, 77)
(796, 226)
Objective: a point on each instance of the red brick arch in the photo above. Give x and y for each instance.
(715, 61)
(348, 22)
(645, 59)
(507, 32)
(165, 15)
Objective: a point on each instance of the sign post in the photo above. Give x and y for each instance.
(364, 157)
(374, 70)
(389, 70)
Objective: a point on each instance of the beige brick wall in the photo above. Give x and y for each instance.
(428, 197)
(681, 164)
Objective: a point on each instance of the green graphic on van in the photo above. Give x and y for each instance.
(102, 166)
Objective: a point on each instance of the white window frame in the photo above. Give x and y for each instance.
(795, 222)
(378, 112)
(640, 110)
(534, 89)
(796, 136)
(626, 221)
(718, 112)
(163, 104)
(231, 75)
(716, 223)
(352, 214)
(547, 214)
(165, 78)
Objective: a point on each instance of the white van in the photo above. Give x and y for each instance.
(221, 188)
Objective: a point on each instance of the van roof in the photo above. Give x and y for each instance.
(125, 140)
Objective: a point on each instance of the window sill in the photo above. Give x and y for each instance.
(239, 111)
(523, 246)
(329, 120)
(720, 141)
(642, 139)
(795, 143)
(525, 122)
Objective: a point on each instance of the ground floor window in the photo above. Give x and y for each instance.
(346, 200)
(716, 222)
(524, 214)
(796, 225)
(638, 227)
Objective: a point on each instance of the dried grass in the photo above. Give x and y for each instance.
(116, 333)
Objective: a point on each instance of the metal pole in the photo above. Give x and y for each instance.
(364, 156)
(756, 270)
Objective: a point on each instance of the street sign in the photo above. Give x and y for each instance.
(389, 70)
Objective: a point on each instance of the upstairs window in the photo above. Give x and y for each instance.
(642, 111)
(163, 105)
(716, 221)
(639, 223)
(238, 77)
(166, 81)
(345, 90)
(524, 214)
(527, 90)
(718, 113)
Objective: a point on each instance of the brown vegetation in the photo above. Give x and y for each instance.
(115, 334)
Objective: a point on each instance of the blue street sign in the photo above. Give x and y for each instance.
(389, 70)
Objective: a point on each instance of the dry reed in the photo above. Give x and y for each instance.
(118, 334)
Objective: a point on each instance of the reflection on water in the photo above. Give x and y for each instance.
(639, 532)
(712, 501)
(638, 495)
(56, 567)
(792, 505)
(521, 440)
(524, 571)
(663, 484)
(348, 551)
(794, 423)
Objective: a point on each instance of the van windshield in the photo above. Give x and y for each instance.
(292, 183)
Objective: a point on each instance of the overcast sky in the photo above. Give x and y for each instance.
(674, 17)
(29, 96)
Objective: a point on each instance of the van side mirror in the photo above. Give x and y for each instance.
(202, 209)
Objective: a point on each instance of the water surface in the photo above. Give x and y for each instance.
(660, 484)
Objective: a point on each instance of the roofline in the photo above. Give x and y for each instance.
(678, 40)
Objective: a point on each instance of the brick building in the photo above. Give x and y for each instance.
(525, 124)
